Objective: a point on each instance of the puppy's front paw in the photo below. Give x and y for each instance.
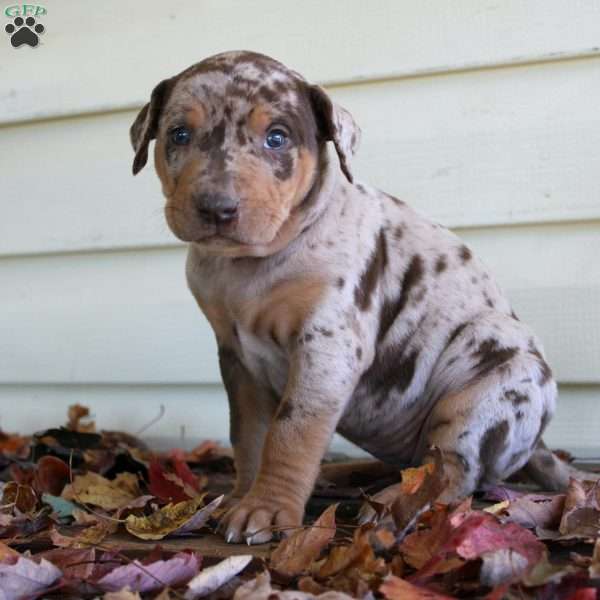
(255, 519)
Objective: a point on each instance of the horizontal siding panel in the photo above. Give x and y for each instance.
(480, 148)
(119, 50)
(197, 412)
(127, 317)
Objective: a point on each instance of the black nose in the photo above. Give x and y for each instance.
(216, 208)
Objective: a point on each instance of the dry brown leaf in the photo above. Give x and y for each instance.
(295, 553)
(88, 537)
(357, 555)
(394, 588)
(260, 589)
(21, 497)
(166, 520)
(75, 415)
(421, 487)
(109, 494)
(581, 514)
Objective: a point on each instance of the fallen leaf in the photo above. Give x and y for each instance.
(121, 595)
(502, 566)
(294, 554)
(51, 475)
(477, 533)
(173, 519)
(422, 487)
(26, 578)
(7, 554)
(143, 578)
(62, 508)
(94, 489)
(12, 444)
(67, 439)
(394, 588)
(357, 555)
(260, 589)
(76, 414)
(21, 497)
(536, 511)
(212, 578)
(81, 564)
(581, 515)
(422, 545)
(89, 536)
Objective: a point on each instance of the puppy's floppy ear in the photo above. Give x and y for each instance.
(145, 126)
(336, 125)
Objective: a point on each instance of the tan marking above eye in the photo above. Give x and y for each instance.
(260, 119)
(195, 116)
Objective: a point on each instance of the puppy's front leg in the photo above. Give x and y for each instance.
(251, 409)
(295, 444)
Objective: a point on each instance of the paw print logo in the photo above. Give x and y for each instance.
(24, 32)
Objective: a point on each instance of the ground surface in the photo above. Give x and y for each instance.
(87, 515)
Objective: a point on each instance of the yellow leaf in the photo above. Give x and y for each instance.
(94, 489)
(164, 521)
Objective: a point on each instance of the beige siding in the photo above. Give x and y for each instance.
(482, 115)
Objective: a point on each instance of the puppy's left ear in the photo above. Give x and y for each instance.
(145, 126)
(336, 125)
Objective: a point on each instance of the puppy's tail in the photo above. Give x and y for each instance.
(550, 472)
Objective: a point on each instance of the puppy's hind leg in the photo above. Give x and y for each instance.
(550, 472)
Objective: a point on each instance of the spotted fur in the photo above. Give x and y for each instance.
(335, 306)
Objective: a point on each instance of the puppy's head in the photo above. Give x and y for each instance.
(238, 140)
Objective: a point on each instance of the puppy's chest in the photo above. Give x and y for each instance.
(265, 360)
(266, 323)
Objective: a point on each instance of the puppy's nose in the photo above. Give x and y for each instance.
(216, 208)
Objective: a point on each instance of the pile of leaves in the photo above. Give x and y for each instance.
(87, 514)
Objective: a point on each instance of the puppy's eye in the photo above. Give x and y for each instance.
(276, 138)
(181, 136)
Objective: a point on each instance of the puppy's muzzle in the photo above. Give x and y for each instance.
(216, 209)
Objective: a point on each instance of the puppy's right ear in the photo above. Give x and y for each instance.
(145, 126)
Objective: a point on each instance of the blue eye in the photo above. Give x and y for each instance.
(181, 136)
(276, 138)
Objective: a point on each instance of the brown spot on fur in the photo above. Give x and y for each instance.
(465, 254)
(543, 424)
(406, 371)
(324, 331)
(456, 332)
(340, 282)
(285, 411)
(515, 397)
(441, 264)
(390, 309)
(398, 232)
(493, 445)
(545, 371)
(491, 356)
(375, 267)
(359, 352)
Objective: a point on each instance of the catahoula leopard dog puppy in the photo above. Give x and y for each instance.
(336, 307)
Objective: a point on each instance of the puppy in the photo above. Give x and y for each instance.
(335, 306)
